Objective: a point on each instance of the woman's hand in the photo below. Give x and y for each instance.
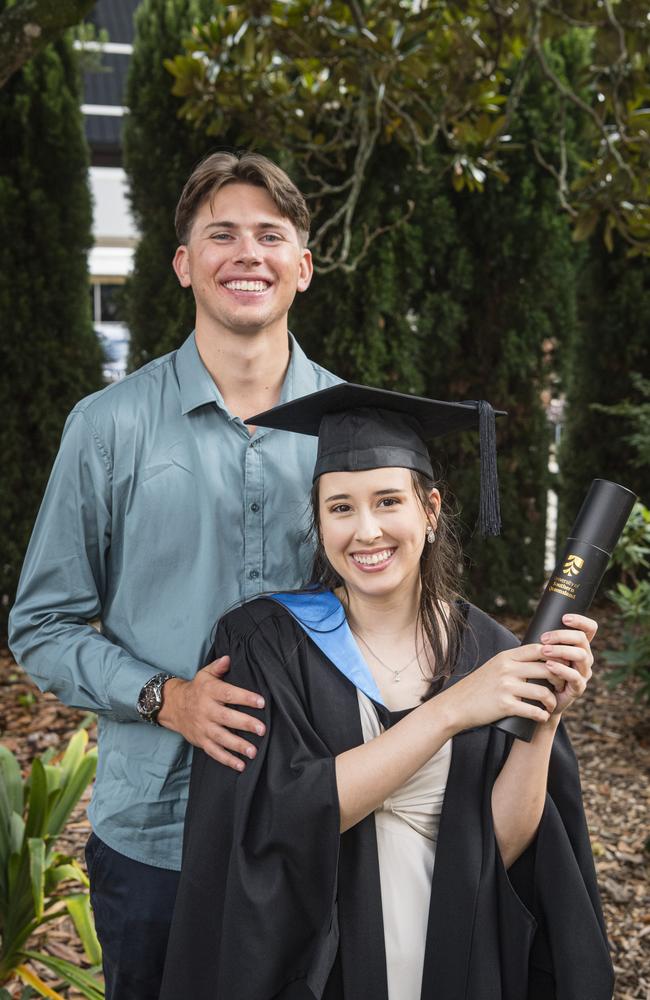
(569, 658)
(500, 688)
(497, 689)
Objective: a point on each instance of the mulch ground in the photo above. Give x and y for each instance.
(610, 730)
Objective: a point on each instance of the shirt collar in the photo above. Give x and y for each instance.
(197, 387)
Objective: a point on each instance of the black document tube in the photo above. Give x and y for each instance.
(575, 579)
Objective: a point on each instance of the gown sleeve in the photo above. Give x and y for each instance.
(260, 846)
(538, 931)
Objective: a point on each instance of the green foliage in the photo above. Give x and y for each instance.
(34, 877)
(160, 152)
(49, 355)
(333, 80)
(631, 598)
(610, 346)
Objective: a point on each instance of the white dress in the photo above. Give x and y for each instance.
(407, 830)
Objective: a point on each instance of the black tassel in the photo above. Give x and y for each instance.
(489, 518)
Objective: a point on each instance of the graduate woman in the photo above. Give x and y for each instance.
(386, 842)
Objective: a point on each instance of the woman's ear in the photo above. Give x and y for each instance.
(433, 513)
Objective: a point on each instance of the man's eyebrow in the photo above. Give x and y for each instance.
(226, 224)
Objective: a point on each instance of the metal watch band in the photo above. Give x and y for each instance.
(151, 698)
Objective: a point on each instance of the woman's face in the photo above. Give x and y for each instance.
(373, 528)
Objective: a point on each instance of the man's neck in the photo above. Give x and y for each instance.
(248, 370)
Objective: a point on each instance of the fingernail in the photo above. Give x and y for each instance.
(240, 765)
(544, 638)
(547, 650)
(260, 702)
(260, 730)
(250, 752)
(568, 618)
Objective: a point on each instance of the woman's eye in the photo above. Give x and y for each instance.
(340, 508)
(388, 501)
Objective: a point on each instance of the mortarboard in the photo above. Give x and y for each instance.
(360, 428)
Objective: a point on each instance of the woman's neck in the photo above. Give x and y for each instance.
(384, 614)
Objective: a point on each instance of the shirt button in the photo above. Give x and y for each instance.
(253, 575)
(255, 507)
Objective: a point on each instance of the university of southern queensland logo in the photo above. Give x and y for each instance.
(572, 565)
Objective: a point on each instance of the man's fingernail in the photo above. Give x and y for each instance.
(260, 730)
(260, 702)
(250, 752)
(240, 765)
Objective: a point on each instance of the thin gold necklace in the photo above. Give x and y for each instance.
(396, 673)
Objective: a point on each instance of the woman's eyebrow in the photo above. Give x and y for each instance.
(377, 493)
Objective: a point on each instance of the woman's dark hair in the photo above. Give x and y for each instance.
(439, 613)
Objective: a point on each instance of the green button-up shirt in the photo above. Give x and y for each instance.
(161, 513)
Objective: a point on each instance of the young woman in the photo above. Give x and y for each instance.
(386, 842)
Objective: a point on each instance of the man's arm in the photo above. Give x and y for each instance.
(63, 587)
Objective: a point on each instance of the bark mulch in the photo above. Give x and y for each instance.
(610, 730)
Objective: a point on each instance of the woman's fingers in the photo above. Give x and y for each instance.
(582, 623)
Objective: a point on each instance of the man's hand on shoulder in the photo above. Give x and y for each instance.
(200, 711)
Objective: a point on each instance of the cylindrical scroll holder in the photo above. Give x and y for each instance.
(578, 572)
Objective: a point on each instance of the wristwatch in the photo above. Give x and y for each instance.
(151, 698)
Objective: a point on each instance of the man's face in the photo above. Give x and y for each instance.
(244, 262)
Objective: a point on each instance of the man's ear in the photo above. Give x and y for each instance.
(306, 271)
(181, 265)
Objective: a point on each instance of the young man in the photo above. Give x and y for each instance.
(163, 510)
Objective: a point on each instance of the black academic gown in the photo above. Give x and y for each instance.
(274, 903)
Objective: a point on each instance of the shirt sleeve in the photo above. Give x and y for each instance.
(63, 586)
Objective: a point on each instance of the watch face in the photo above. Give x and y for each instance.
(150, 700)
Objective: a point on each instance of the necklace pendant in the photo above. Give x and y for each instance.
(396, 677)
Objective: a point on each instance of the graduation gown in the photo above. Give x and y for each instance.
(275, 904)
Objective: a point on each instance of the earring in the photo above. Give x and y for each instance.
(431, 535)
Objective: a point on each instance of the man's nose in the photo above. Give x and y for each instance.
(247, 250)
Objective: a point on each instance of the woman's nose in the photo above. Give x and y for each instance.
(368, 528)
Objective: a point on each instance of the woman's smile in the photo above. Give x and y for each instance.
(373, 561)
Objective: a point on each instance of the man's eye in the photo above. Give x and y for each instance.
(271, 237)
(222, 237)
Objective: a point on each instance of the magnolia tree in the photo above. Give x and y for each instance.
(332, 81)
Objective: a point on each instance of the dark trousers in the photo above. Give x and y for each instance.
(133, 904)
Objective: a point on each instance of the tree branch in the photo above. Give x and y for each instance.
(29, 25)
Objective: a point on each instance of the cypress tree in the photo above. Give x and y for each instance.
(160, 151)
(611, 343)
(49, 354)
(461, 302)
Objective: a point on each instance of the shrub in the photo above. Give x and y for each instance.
(35, 879)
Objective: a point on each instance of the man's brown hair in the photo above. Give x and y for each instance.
(219, 169)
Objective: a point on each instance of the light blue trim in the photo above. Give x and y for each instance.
(321, 615)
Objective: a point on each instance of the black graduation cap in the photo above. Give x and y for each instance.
(360, 428)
